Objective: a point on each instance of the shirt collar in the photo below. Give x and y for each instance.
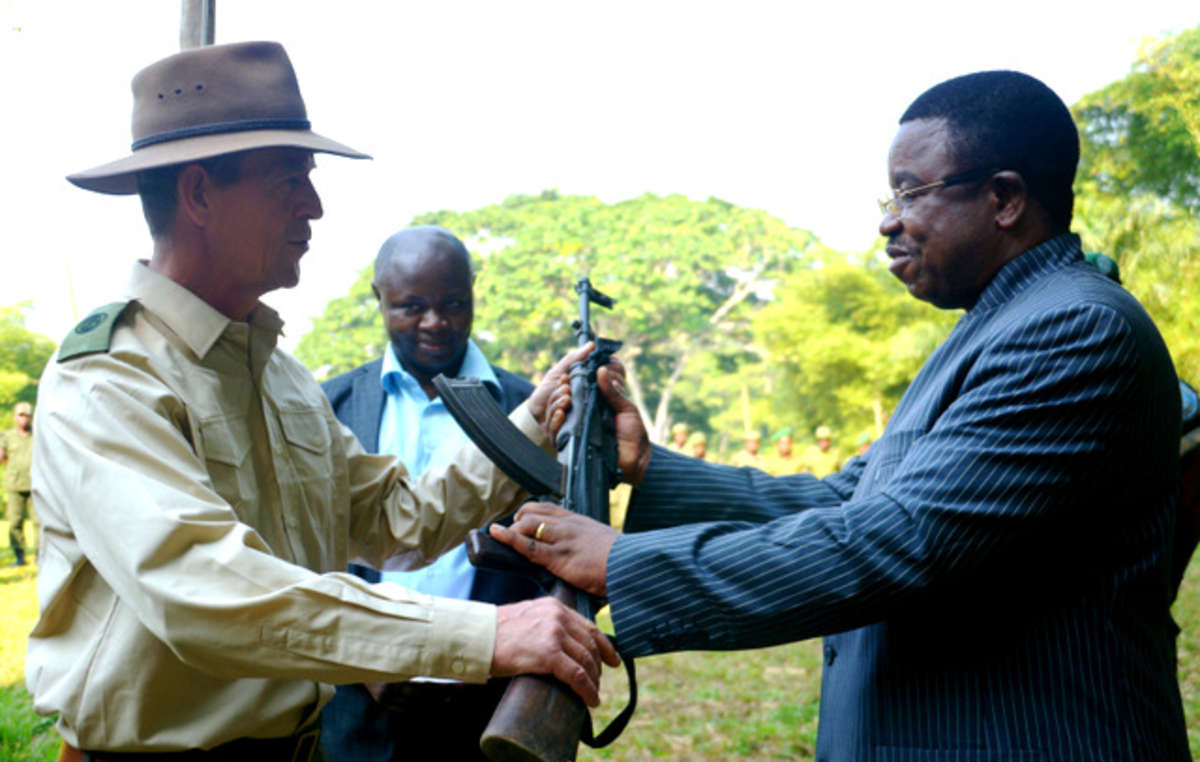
(395, 378)
(1052, 254)
(190, 317)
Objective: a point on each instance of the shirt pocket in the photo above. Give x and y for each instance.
(225, 445)
(307, 430)
(309, 485)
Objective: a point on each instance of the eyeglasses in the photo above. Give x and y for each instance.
(899, 200)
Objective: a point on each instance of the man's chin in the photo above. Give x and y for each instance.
(428, 367)
(291, 278)
(431, 369)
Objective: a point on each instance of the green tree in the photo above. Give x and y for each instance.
(1141, 133)
(685, 275)
(348, 333)
(1138, 188)
(839, 345)
(23, 356)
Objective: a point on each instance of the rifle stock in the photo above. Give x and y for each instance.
(538, 719)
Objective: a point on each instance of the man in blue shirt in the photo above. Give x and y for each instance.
(423, 282)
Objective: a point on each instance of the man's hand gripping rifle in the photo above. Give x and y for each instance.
(539, 719)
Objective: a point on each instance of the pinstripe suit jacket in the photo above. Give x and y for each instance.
(991, 577)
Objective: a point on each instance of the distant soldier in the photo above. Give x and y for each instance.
(784, 460)
(749, 455)
(698, 445)
(16, 454)
(819, 459)
(862, 444)
(679, 439)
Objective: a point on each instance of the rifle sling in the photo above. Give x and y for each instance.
(617, 726)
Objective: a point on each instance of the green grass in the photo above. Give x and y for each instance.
(748, 705)
(24, 736)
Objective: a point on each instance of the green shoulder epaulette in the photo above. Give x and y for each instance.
(94, 332)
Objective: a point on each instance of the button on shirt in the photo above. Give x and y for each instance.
(425, 436)
(199, 501)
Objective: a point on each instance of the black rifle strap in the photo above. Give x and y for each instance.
(617, 726)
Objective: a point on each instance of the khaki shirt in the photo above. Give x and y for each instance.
(820, 463)
(743, 458)
(199, 502)
(18, 450)
(784, 465)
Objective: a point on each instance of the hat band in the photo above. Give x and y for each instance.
(217, 128)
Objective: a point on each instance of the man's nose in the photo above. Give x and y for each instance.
(310, 202)
(889, 225)
(431, 318)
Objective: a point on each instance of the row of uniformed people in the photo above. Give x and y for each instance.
(819, 458)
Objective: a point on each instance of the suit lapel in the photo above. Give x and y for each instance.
(368, 406)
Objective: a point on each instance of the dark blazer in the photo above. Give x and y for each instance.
(991, 577)
(357, 398)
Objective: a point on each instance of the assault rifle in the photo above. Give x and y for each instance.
(539, 719)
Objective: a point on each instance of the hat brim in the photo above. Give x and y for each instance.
(120, 177)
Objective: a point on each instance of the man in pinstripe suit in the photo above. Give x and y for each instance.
(991, 576)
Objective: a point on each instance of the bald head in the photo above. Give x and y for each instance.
(423, 281)
(405, 249)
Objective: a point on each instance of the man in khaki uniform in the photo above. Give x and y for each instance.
(679, 438)
(821, 459)
(199, 499)
(749, 454)
(16, 455)
(784, 460)
(698, 445)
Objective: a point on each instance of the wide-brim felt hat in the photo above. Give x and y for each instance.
(210, 101)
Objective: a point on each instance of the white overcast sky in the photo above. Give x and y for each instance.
(784, 106)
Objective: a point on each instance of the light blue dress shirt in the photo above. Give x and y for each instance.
(425, 436)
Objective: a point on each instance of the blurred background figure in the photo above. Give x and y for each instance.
(784, 460)
(820, 459)
(16, 455)
(862, 444)
(679, 439)
(749, 455)
(698, 445)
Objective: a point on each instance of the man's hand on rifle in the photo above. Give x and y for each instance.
(542, 636)
(633, 445)
(541, 401)
(572, 546)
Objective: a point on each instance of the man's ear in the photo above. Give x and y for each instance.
(192, 190)
(1011, 196)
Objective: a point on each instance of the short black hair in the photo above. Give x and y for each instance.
(156, 187)
(1009, 120)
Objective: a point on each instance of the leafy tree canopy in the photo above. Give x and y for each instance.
(1141, 134)
(23, 356)
(685, 275)
(840, 344)
(1138, 188)
(733, 321)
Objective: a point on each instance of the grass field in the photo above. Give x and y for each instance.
(749, 705)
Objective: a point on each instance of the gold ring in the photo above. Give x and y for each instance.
(537, 535)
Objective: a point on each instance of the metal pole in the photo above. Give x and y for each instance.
(197, 23)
